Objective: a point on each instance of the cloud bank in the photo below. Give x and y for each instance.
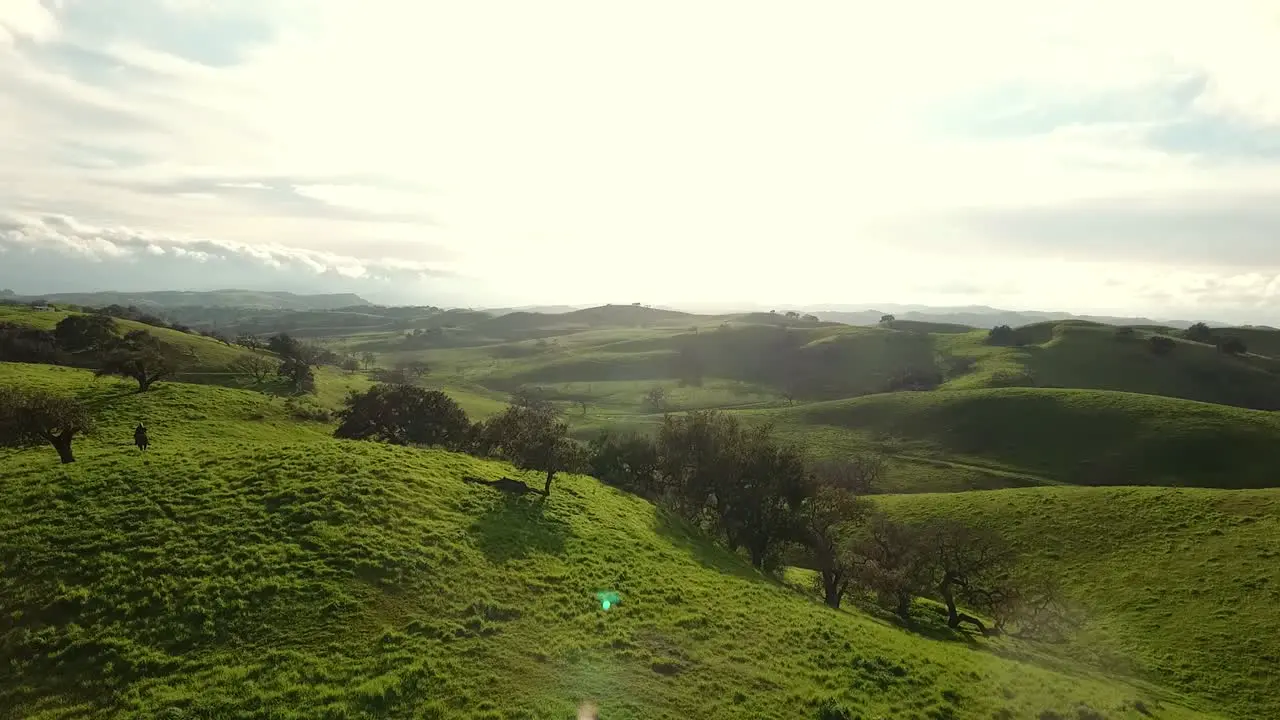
(1053, 154)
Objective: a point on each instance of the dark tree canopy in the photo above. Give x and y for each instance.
(284, 345)
(829, 521)
(532, 438)
(29, 416)
(297, 373)
(1161, 345)
(627, 461)
(404, 415)
(85, 333)
(1199, 332)
(143, 357)
(22, 343)
(739, 480)
(1002, 335)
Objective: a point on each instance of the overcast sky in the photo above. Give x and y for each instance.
(1119, 155)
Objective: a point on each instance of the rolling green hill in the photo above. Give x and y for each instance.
(1086, 437)
(249, 566)
(209, 354)
(1178, 585)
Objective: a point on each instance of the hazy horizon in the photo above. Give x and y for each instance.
(1064, 156)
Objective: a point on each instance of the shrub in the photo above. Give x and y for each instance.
(1233, 346)
(1161, 345)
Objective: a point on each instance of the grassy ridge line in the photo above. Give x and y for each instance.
(233, 572)
(210, 354)
(1181, 585)
(1089, 437)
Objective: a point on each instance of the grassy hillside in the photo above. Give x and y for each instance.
(210, 355)
(249, 567)
(1086, 355)
(1085, 437)
(1179, 585)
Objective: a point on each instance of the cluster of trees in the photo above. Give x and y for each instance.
(754, 492)
(94, 341)
(1003, 335)
(528, 434)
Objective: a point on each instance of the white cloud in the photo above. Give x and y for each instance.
(572, 150)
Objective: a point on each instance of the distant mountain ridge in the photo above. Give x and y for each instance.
(168, 299)
(978, 316)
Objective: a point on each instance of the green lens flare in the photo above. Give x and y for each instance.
(607, 599)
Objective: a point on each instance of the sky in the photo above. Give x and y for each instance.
(1118, 156)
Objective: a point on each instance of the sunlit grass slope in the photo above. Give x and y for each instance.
(1180, 585)
(249, 567)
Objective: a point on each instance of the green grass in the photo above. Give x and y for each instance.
(1083, 437)
(1180, 585)
(1086, 355)
(249, 566)
(210, 356)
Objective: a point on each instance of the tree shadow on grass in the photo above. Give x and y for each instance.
(515, 526)
(928, 619)
(705, 550)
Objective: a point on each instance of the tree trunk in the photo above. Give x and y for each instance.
(953, 616)
(144, 383)
(833, 589)
(62, 443)
(757, 552)
(904, 606)
(963, 617)
(546, 489)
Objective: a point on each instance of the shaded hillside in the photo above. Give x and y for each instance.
(1077, 436)
(1181, 585)
(296, 578)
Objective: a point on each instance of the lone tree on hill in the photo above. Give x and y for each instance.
(1161, 345)
(404, 415)
(297, 373)
(828, 523)
(30, 417)
(533, 439)
(284, 345)
(251, 364)
(891, 561)
(85, 333)
(350, 364)
(1199, 332)
(1002, 335)
(886, 319)
(368, 359)
(971, 564)
(656, 399)
(143, 357)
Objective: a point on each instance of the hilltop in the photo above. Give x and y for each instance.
(251, 566)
